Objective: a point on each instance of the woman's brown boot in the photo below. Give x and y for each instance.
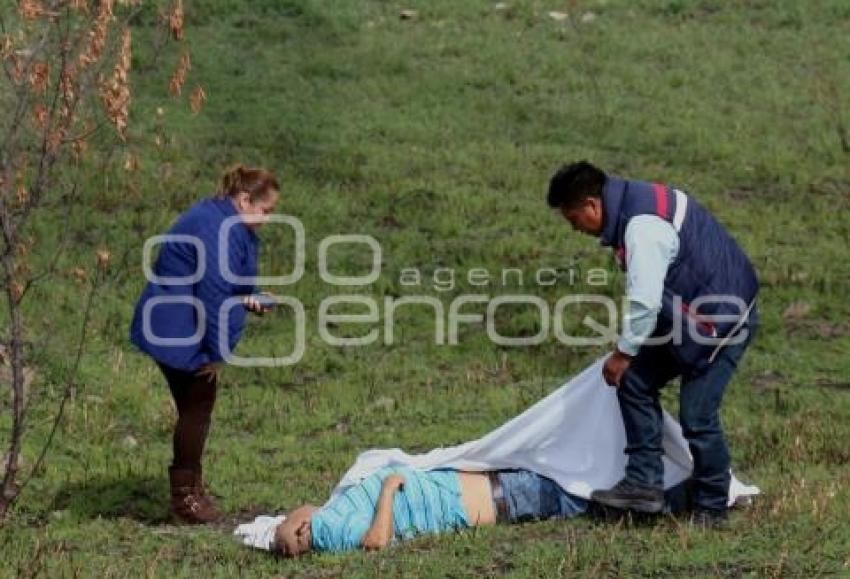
(206, 499)
(188, 505)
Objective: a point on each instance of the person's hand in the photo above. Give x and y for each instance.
(375, 540)
(253, 305)
(394, 482)
(209, 371)
(615, 366)
(379, 534)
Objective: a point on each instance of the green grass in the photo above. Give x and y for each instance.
(437, 136)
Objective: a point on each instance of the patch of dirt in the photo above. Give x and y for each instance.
(745, 194)
(834, 384)
(390, 222)
(796, 311)
(818, 328)
(767, 381)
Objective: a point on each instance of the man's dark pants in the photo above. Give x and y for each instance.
(699, 414)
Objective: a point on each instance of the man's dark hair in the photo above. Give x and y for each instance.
(575, 182)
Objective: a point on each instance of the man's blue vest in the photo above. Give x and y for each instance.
(710, 269)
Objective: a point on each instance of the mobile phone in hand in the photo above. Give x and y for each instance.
(266, 302)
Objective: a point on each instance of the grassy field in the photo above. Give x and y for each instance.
(437, 136)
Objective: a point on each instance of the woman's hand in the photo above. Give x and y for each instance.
(253, 305)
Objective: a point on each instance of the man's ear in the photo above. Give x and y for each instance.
(595, 205)
(302, 528)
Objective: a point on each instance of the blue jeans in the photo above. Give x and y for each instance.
(529, 497)
(699, 413)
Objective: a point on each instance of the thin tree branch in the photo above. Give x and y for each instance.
(70, 383)
(24, 93)
(51, 268)
(8, 489)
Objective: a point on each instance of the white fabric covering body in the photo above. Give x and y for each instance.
(575, 436)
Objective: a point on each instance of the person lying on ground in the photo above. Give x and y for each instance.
(543, 463)
(399, 503)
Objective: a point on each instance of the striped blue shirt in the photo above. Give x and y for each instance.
(429, 502)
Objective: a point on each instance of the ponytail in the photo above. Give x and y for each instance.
(255, 181)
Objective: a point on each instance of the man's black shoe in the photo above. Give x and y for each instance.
(631, 496)
(709, 518)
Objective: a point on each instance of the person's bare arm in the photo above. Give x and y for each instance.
(379, 534)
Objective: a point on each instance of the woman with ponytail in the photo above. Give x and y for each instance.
(185, 322)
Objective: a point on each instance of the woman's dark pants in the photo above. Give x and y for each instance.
(194, 397)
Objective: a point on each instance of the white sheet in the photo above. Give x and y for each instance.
(574, 436)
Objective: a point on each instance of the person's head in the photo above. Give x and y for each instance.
(576, 192)
(293, 537)
(253, 191)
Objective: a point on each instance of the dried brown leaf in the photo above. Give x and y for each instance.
(197, 99)
(39, 115)
(16, 290)
(115, 93)
(79, 274)
(102, 257)
(39, 74)
(21, 193)
(175, 21)
(178, 79)
(30, 9)
(131, 163)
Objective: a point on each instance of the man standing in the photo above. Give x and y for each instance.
(691, 313)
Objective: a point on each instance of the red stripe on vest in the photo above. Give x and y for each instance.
(660, 199)
(701, 321)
